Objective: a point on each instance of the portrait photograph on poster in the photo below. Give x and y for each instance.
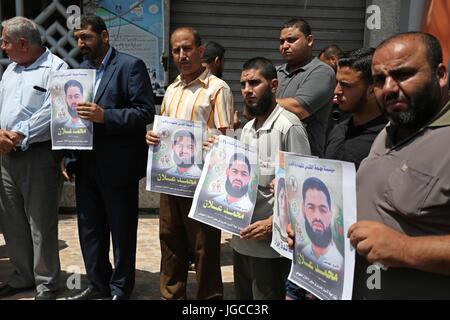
(67, 89)
(175, 165)
(322, 205)
(226, 193)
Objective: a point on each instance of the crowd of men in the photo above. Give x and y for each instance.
(394, 121)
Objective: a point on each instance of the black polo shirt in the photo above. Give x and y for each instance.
(349, 143)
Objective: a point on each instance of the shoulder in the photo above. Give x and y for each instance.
(319, 66)
(126, 60)
(216, 83)
(287, 120)
(340, 128)
(57, 62)
(281, 67)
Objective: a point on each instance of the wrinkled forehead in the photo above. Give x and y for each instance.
(400, 52)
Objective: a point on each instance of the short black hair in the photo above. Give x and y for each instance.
(212, 51)
(359, 60)
(240, 157)
(183, 133)
(73, 83)
(95, 22)
(317, 184)
(331, 50)
(432, 45)
(264, 65)
(300, 24)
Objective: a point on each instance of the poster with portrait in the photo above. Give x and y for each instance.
(67, 89)
(280, 211)
(175, 165)
(322, 206)
(226, 193)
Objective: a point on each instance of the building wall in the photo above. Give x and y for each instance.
(249, 28)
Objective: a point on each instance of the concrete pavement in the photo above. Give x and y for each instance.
(147, 261)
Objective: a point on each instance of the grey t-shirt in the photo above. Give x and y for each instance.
(312, 85)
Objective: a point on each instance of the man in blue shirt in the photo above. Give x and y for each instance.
(31, 181)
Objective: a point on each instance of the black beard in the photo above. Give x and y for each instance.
(320, 239)
(421, 111)
(263, 106)
(72, 112)
(181, 163)
(235, 192)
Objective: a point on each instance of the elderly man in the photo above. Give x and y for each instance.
(196, 94)
(31, 181)
(403, 185)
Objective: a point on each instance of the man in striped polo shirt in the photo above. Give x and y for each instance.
(195, 94)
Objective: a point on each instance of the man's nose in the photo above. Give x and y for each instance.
(338, 90)
(246, 89)
(390, 86)
(284, 45)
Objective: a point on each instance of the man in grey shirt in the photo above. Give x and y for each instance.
(403, 185)
(306, 84)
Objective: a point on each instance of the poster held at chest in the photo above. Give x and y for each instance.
(67, 89)
(322, 206)
(175, 165)
(226, 193)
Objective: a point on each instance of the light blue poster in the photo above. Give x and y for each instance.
(136, 27)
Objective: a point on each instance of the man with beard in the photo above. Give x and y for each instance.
(73, 91)
(184, 156)
(107, 178)
(238, 178)
(259, 271)
(316, 208)
(403, 185)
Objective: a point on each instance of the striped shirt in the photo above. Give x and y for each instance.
(207, 99)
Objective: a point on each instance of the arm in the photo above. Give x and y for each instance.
(7, 142)
(258, 230)
(141, 110)
(294, 106)
(223, 109)
(379, 243)
(315, 91)
(296, 140)
(39, 121)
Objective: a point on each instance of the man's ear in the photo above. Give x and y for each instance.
(442, 74)
(23, 43)
(201, 50)
(310, 40)
(370, 91)
(105, 36)
(274, 85)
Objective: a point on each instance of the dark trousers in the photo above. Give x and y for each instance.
(260, 278)
(105, 210)
(176, 233)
